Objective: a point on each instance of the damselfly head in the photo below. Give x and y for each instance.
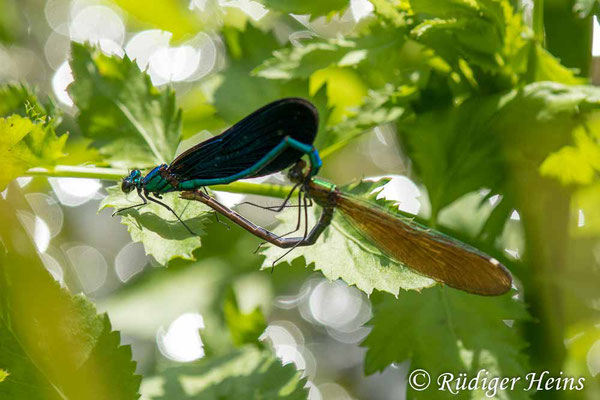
(296, 173)
(131, 181)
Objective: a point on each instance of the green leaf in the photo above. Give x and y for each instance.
(478, 143)
(343, 253)
(54, 345)
(162, 235)
(250, 92)
(168, 15)
(135, 123)
(245, 328)
(25, 144)
(303, 61)
(20, 99)
(549, 68)
(381, 48)
(380, 106)
(577, 164)
(391, 12)
(313, 7)
(3, 375)
(453, 150)
(444, 330)
(246, 373)
(472, 30)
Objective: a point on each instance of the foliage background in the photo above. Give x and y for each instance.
(485, 105)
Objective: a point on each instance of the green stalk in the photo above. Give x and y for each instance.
(69, 171)
(114, 174)
(538, 20)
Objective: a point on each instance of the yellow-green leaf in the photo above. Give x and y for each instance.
(3, 375)
(25, 144)
(168, 15)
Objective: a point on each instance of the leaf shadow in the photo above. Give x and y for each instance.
(268, 379)
(167, 229)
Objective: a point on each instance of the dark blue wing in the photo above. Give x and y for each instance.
(248, 141)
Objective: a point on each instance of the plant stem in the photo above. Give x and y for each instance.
(69, 171)
(114, 174)
(538, 20)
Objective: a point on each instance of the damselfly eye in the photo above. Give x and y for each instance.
(127, 186)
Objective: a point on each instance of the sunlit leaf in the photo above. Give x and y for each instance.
(549, 68)
(25, 144)
(162, 235)
(379, 107)
(476, 144)
(343, 253)
(54, 345)
(3, 375)
(576, 164)
(392, 12)
(381, 57)
(313, 7)
(119, 108)
(303, 61)
(446, 331)
(169, 15)
(247, 373)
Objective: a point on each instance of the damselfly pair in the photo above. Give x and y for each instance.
(275, 138)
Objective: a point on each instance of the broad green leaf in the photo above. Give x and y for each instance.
(80, 152)
(454, 151)
(445, 330)
(476, 144)
(135, 123)
(379, 107)
(25, 144)
(343, 87)
(54, 345)
(247, 373)
(240, 93)
(549, 68)
(487, 44)
(245, 328)
(169, 15)
(343, 253)
(303, 61)
(381, 56)
(162, 235)
(199, 114)
(577, 164)
(313, 7)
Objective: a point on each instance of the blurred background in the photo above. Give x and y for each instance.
(174, 315)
